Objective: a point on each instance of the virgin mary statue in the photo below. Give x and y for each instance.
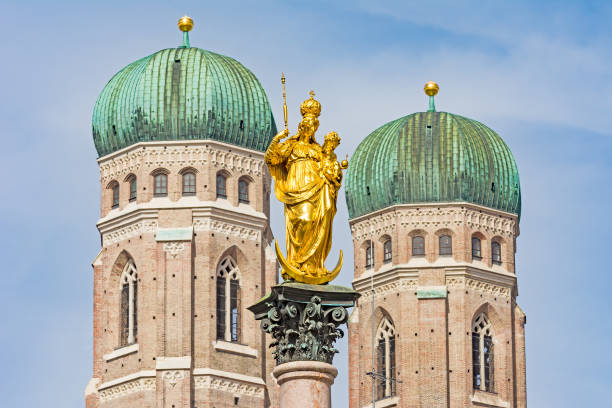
(307, 178)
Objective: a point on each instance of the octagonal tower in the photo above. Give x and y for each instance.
(185, 234)
(434, 203)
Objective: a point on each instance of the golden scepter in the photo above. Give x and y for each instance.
(284, 100)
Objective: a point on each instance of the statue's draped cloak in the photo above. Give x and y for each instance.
(310, 202)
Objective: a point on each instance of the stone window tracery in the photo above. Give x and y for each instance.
(387, 251)
(189, 184)
(385, 359)
(496, 252)
(482, 354)
(129, 295)
(228, 300)
(446, 245)
(418, 246)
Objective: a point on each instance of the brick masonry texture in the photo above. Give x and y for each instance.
(433, 335)
(176, 363)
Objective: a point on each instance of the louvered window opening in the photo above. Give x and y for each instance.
(476, 249)
(446, 245)
(387, 251)
(220, 308)
(133, 186)
(189, 184)
(228, 301)
(234, 310)
(115, 195)
(221, 190)
(369, 255)
(418, 246)
(496, 252)
(243, 191)
(161, 185)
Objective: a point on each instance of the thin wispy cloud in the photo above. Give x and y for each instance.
(535, 72)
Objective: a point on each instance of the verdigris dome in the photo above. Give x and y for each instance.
(182, 94)
(430, 157)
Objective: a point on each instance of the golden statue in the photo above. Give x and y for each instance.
(307, 178)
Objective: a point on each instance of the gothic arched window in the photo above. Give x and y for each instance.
(387, 251)
(160, 188)
(369, 255)
(189, 184)
(243, 191)
(385, 360)
(476, 248)
(446, 245)
(482, 354)
(129, 295)
(115, 189)
(221, 182)
(133, 185)
(228, 300)
(496, 252)
(418, 246)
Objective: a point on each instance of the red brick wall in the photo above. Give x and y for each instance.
(177, 294)
(436, 333)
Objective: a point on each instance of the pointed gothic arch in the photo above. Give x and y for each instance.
(385, 356)
(221, 184)
(228, 299)
(483, 356)
(128, 287)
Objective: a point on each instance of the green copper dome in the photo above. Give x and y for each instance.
(431, 157)
(182, 94)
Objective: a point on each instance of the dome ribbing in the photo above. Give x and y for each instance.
(431, 157)
(182, 94)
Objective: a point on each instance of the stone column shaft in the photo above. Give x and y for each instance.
(305, 384)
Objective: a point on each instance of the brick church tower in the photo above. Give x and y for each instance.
(185, 231)
(434, 203)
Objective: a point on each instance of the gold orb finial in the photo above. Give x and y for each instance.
(431, 88)
(185, 24)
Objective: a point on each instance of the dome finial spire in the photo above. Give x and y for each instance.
(185, 24)
(431, 89)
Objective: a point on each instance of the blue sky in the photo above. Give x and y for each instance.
(537, 73)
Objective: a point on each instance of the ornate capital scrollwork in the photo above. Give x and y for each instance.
(304, 320)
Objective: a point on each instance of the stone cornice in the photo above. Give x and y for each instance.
(398, 279)
(207, 378)
(203, 378)
(131, 225)
(463, 282)
(391, 281)
(120, 352)
(230, 222)
(184, 153)
(495, 277)
(217, 216)
(439, 215)
(140, 381)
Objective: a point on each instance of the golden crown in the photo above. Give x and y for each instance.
(310, 106)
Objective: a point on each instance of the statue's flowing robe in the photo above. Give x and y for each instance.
(310, 202)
